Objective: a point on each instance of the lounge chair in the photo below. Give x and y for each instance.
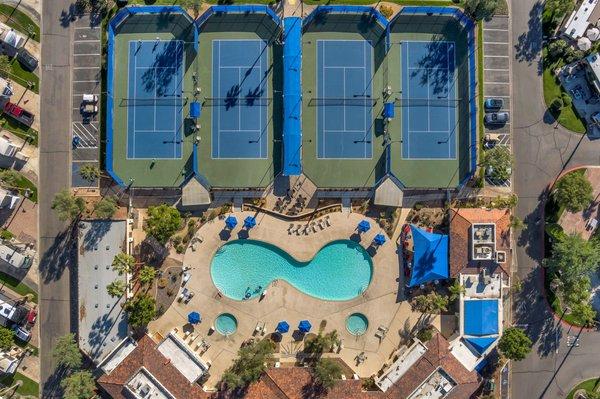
(327, 222)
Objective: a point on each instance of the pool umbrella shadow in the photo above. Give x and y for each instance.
(225, 235)
(356, 237)
(298, 335)
(243, 234)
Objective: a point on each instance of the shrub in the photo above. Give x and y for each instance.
(425, 334)
(573, 191)
(386, 11)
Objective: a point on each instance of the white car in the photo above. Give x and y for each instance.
(90, 98)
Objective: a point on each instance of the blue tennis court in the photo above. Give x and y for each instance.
(155, 102)
(240, 88)
(345, 102)
(429, 120)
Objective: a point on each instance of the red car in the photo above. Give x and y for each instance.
(31, 318)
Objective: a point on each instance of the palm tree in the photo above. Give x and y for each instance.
(123, 263)
(147, 274)
(456, 289)
(116, 288)
(89, 172)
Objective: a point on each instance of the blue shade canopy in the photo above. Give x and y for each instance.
(304, 326)
(282, 327)
(481, 317)
(364, 226)
(250, 222)
(430, 257)
(194, 109)
(388, 110)
(231, 222)
(194, 318)
(481, 344)
(379, 239)
(292, 97)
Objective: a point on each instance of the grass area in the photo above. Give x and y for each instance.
(17, 286)
(588, 385)
(24, 77)
(20, 21)
(23, 184)
(34, 349)
(567, 117)
(28, 388)
(20, 130)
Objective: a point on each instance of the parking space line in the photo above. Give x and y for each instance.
(484, 43)
(496, 56)
(87, 67)
(87, 27)
(76, 55)
(86, 81)
(495, 83)
(494, 29)
(494, 69)
(86, 41)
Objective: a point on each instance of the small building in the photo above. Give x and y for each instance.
(8, 200)
(592, 71)
(587, 14)
(8, 363)
(102, 321)
(15, 257)
(7, 148)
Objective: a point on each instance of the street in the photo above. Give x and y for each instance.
(542, 150)
(55, 172)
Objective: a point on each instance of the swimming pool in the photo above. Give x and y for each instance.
(357, 324)
(340, 271)
(226, 324)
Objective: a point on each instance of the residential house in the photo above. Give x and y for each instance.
(10, 40)
(587, 14)
(8, 200)
(15, 257)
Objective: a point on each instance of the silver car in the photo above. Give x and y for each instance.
(496, 118)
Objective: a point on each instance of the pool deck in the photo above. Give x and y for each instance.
(382, 302)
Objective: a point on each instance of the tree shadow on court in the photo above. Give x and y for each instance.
(163, 70)
(434, 69)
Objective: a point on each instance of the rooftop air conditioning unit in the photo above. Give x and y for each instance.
(501, 257)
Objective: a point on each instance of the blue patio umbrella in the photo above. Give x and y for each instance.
(364, 226)
(231, 222)
(304, 326)
(282, 327)
(250, 222)
(194, 318)
(379, 239)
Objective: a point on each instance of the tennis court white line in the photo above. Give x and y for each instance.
(238, 66)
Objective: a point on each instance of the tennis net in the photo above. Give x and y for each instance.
(158, 101)
(237, 102)
(427, 102)
(346, 102)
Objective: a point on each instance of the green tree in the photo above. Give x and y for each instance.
(573, 191)
(557, 48)
(67, 206)
(116, 288)
(162, 222)
(456, 289)
(584, 312)
(567, 100)
(481, 9)
(326, 372)
(89, 172)
(516, 222)
(79, 385)
(573, 259)
(430, 303)
(557, 9)
(123, 263)
(7, 338)
(194, 5)
(106, 208)
(9, 178)
(514, 344)
(147, 274)
(66, 352)
(249, 365)
(572, 54)
(321, 343)
(497, 163)
(140, 310)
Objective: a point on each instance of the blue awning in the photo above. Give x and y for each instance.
(481, 317)
(194, 109)
(282, 327)
(481, 344)
(364, 226)
(292, 98)
(388, 110)
(304, 326)
(231, 222)
(194, 318)
(430, 257)
(250, 222)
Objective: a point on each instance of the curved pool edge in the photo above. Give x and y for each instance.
(259, 296)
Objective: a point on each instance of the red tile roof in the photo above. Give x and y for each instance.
(460, 239)
(147, 355)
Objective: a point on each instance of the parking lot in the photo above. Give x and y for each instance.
(85, 78)
(496, 73)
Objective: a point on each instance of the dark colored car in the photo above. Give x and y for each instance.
(493, 103)
(496, 118)
(27, 60)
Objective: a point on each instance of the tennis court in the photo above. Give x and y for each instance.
(429, 100)
(240, 105)
(155, 99)
(344, 99)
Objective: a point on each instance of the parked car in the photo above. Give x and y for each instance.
(28, 61)
(89, 108)
(496, 118)
(493, 103)
(21, 333)
(90, 98)
(31, 318)
(18, 113)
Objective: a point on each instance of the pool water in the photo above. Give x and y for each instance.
(226, 324)
(340, 271)
(357, 324)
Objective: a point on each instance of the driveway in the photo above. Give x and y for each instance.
(541, 153)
